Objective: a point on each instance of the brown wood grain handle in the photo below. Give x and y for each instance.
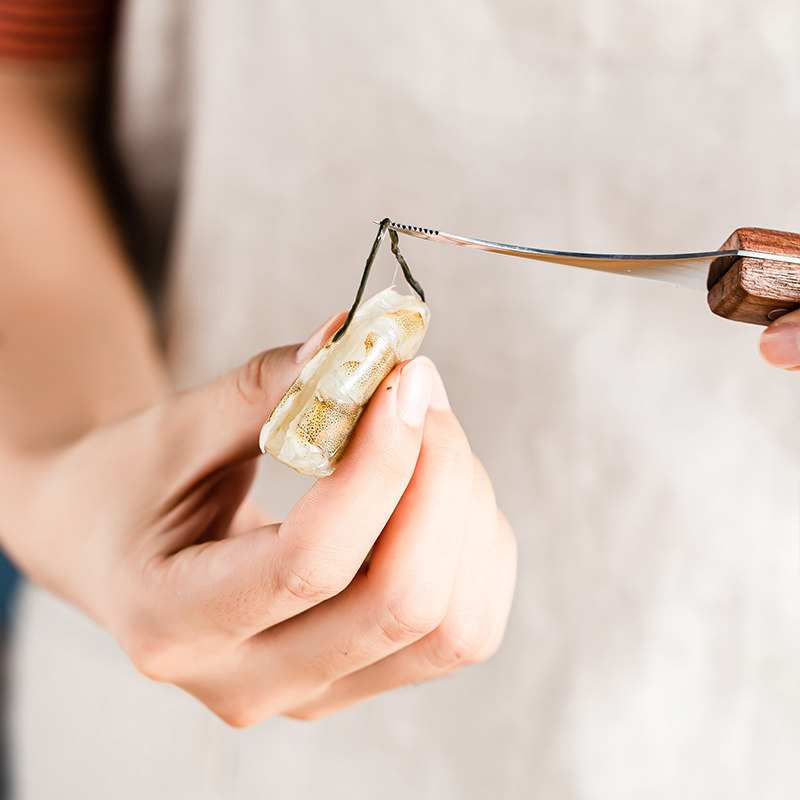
(755, 290)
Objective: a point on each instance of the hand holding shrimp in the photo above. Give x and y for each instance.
(278, 618)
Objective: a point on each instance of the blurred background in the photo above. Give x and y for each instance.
(645, 456)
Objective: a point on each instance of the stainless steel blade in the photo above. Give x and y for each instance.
(687, 270)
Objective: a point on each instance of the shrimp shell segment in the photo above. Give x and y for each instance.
(311, 425)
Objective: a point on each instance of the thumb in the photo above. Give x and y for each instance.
(780, 342)
(217, 425)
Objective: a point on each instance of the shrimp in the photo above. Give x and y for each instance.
(309, 428)
(312, 423)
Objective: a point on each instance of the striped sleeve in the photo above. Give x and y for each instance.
(55, 30)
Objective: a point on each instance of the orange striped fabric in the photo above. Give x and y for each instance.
(54, 30)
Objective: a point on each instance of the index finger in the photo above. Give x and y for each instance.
(250, 582)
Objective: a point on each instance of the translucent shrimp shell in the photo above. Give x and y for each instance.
(311, 425)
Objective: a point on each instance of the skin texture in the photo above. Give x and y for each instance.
(130, 500)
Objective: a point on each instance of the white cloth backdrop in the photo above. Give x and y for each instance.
(646, 457)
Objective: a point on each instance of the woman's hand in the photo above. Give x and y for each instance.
(142, 524)
(780, 342)
(139, 516)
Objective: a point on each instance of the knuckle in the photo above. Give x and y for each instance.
(241, 710)
(314, 582)
(239, 715)
(155, 656)
(407, 620)
(461, 641)
(154, 648)
(147, 636)
(249, 380)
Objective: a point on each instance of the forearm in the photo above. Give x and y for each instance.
(77, 346)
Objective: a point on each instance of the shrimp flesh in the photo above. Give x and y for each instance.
(311, 425)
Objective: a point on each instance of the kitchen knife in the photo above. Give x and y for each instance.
(754, 277)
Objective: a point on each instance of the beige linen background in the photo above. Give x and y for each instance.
(645, 455)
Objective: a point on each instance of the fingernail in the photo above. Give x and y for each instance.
(439, 399)
(416, 380)
(320, 336)
(780, 345)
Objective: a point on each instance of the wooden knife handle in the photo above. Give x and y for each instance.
(754, 289)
